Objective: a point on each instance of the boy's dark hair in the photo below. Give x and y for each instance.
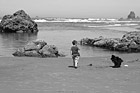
(74, 42)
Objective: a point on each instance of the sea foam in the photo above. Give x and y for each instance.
(75, 20)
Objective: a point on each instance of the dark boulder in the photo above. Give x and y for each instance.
(131, 15)
(121, 46)
(134, 41)
(49, 51)
(130, 42)
(38, 48)
(0, 27)
(35, 45)
(19, 21)
(32, 53)
(132, 36)
(20, 52)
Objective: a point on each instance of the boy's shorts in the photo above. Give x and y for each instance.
(76, 57)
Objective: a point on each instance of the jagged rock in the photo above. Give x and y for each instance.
(35, 45)
(42, 43)
(49, 51)
(130, 42)
(121, 47)
(38, 48)
(19, 21)
(0, 27)
(132, 36)
(131, 15)
(101, 43)
(88, 41)
(20, 52)
(31, 46)
(32, 53)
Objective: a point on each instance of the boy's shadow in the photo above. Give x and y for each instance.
(95, 66)
(71, 66)
(90, 65)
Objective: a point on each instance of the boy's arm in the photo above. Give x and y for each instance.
(71, 51)
(78, 50)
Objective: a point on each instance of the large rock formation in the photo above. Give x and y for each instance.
(38, 48)
(0, 27)
(130, 42)
(19, 21)
(131, 15)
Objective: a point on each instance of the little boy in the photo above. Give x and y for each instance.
(75, 53)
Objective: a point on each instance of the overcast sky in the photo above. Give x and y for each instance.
(72, 8)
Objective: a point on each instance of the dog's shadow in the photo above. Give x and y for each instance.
(114, 67)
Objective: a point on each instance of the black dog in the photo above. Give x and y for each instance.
(117, 61)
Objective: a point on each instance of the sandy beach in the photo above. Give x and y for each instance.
(55, 75)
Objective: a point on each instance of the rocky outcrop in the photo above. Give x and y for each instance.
(19, 21)
(0, 27)
(38, 48)
(130, 42)
(132, 36)
(131, 15)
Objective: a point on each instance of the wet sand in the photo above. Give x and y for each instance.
(56, 75)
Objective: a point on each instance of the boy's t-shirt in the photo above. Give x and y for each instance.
(74, 50)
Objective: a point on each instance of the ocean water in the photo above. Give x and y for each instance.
(62, 33)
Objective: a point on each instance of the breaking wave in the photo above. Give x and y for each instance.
(76, 20)
(115, 25)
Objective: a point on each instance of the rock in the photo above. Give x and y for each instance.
(32, 53)
(101, 43)
(38, 48)
(32, 46)
(0, 27)
(132, 36)
(85, 41)
(42, 43)
(19, 52)
(60, 54)
(121, 47)
(131, 15)
(130, 42)
(19, 21)
(35, 45)
(49, 51)
(88, 41)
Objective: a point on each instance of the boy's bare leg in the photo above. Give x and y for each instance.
(73, 62)
(76, 61)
